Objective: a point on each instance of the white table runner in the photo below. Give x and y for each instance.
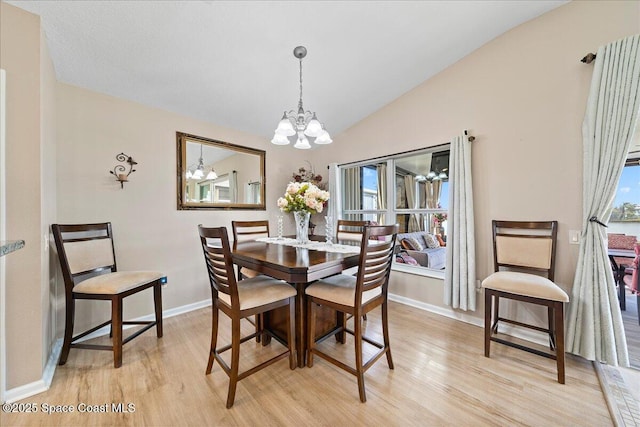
(312, 245)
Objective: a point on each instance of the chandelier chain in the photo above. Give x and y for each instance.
(300, 106)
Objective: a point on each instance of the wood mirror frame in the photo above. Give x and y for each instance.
(232, 176)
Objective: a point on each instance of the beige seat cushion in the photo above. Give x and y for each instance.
(116, 283)
(340, 289)
(259, 290)
(525, 284)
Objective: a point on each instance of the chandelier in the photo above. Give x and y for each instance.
(198, 172)
(303, 124)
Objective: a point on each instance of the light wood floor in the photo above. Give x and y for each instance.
(441, 378)
(632, 330)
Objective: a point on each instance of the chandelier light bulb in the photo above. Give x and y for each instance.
(324, 138)
(212, 174)
(189, 174)
(302, 143)
(285, 128)
(279, 139)
(198, 174)
(314, 128)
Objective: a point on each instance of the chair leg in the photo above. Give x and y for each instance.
(496, 312)
(357, 326)
(214, 336)
(259, 327)
(559, 328)
(291, 334)
(552, 326)
(116, 319)
(68, 330)
(385, 332)
(235, 361)
(157, 299)
(341, 321)
(311, 330)
(487, 322)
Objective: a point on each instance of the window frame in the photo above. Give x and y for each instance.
(391, 212)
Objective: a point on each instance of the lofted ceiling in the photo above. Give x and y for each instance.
(231, 62)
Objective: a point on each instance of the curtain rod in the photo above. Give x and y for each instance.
(589, 58)
(470, 138)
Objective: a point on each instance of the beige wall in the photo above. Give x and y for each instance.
(27, 293)
(523, 96)
(150, 233)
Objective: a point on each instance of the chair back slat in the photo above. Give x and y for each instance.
(249, 230)
(528, 246)
(217, 256)
(376, 256)
(83, 249)
(348, 231)
(89, 254)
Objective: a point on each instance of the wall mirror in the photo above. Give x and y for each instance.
(219, 175)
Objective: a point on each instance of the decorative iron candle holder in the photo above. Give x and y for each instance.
(120, 171)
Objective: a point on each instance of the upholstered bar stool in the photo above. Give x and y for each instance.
(527, 249)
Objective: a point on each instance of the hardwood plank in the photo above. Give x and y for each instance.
(441, 377)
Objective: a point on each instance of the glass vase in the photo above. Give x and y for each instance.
(302, 226)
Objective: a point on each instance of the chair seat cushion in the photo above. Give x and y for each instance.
(259, 290)
(117, 282)
(340, 289)
(525, 284)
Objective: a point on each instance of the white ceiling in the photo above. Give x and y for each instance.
(231, 63)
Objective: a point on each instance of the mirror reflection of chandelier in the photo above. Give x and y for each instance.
(432, 176)
(304, 124)
(198, 170)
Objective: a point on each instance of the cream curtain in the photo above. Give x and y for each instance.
(352, 188)
(335, 197)
(460, 273)
(410, 191)
(382, 185)
(594, 327)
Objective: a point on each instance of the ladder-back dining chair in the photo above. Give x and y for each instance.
(87, 258)
(350, 231)
(357, 295)
(244, 231)
(239, 300)
(527, 249)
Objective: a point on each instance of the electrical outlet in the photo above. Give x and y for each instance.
(574, 237)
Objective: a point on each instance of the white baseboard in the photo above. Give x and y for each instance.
(43, 384)
(525, 334)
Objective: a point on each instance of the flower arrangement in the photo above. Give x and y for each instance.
(308, 175)
(439, 218)
(303, 197)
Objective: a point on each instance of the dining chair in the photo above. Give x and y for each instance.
(529, 248)
(350, 231)
(631, 278)
(244, 231)
(87, 259)
(357, 295)
(239, 300)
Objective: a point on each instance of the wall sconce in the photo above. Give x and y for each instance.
(120, 171)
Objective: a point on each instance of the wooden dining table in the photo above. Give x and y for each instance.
(298, 267)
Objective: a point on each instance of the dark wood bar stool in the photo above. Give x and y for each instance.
(529, 248)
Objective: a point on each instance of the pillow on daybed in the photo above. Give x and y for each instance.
(431, 241)
(411, 243)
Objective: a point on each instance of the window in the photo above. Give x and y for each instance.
(625, 216)
(410, 189)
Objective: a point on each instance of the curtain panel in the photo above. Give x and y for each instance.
(594, 328)
(460, 273)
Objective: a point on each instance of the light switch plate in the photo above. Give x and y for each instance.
(574, 237)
